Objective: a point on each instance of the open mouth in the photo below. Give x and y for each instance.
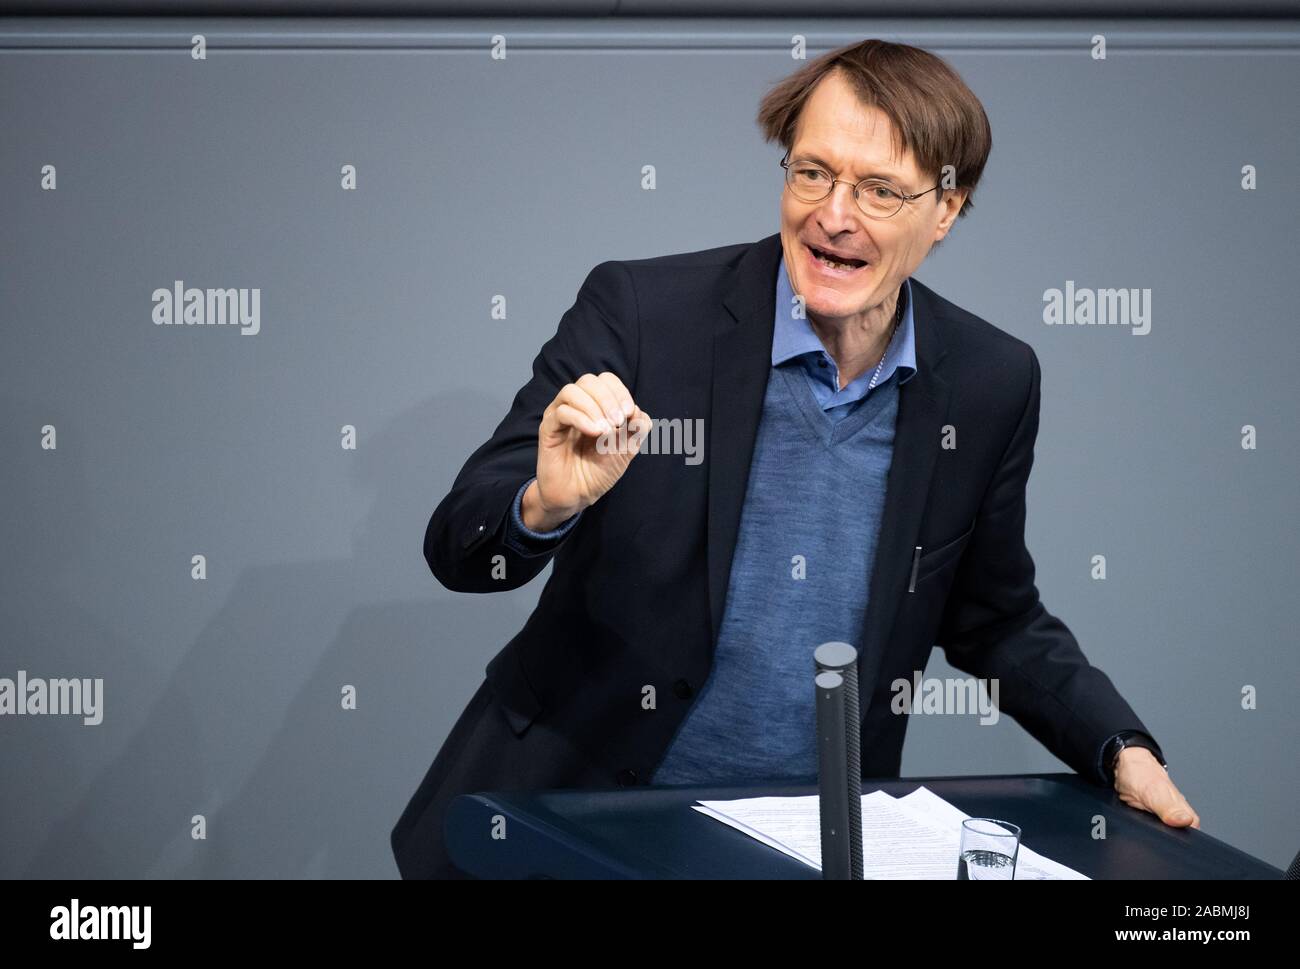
(836, 263)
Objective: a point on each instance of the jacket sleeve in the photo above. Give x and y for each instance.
(994, 625)
(470, 527)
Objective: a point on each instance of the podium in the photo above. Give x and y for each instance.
(652, 832)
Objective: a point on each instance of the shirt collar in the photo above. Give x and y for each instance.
(793, 336)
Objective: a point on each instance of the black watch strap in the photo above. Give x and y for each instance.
(1129, 738)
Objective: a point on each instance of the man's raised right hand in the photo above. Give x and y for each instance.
(586, 418)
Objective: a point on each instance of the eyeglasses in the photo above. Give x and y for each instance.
(877, 198)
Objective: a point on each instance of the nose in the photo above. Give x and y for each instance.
(839, 210)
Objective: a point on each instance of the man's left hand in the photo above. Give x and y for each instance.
(1142, 783)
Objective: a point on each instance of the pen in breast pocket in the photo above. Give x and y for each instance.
(916, 560)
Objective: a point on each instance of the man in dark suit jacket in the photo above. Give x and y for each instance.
(644, 592)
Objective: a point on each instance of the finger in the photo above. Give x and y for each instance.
(1181, 813)
(604, 396)
(620, 392)
(1168, 804)
(579, 399)
(1193, 819)
(566, 415)
(639, 427)
(627, 439)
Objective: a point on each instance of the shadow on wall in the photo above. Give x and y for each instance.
(248, 729)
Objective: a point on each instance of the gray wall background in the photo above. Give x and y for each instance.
(479, 177)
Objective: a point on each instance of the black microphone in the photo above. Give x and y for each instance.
(839, 746)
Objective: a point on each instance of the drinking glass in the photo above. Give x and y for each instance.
(988, 850)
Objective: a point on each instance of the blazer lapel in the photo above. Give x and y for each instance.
(922, 410)
(742, 362)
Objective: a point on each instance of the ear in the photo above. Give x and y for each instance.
(951, 205)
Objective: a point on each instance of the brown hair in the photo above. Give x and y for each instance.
(935, 115)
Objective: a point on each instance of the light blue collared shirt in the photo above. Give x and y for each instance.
(793, 337)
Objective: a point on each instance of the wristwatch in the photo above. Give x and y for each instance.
(1128, 738)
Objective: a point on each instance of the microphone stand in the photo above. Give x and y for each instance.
(839, 760)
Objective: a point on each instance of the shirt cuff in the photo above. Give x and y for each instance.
(525, 540)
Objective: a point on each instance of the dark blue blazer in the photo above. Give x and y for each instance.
(636, 594)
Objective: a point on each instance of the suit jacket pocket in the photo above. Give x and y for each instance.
(934, 559)
(512, 691)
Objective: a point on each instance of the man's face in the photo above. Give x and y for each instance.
(852, 142)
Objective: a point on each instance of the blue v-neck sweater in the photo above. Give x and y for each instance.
(799, 578)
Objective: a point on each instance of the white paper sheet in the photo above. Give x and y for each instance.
(1030, 865)
(914, 837)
